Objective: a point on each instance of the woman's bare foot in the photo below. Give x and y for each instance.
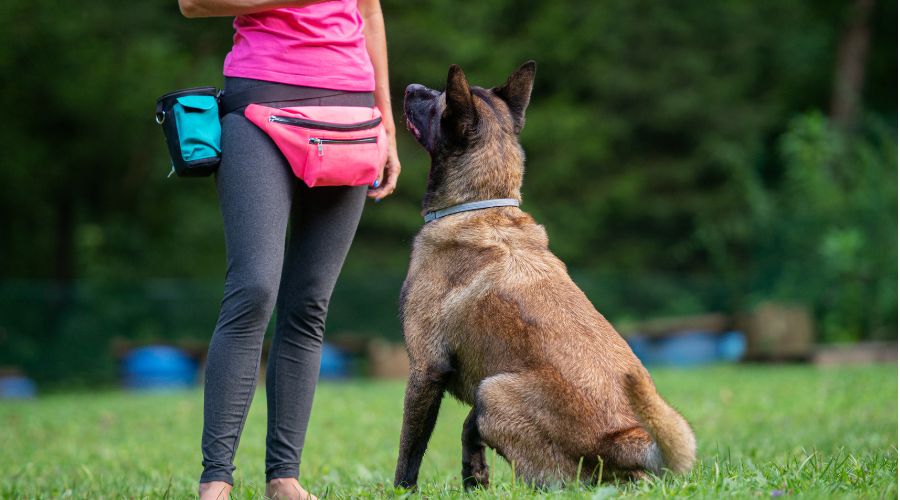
(286, 488)
(215, 490)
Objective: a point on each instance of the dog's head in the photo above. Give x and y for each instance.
(472, 135)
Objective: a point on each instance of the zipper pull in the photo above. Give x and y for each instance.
(318, 143)
(171, 172)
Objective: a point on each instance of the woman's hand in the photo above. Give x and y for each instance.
(387, 181)
(376, 44)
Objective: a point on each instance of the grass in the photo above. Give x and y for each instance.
(762, 431)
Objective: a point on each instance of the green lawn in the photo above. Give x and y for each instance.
(800, 431)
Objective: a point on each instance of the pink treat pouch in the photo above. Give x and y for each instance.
(326, 145)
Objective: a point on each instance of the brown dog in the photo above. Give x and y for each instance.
(491, 316)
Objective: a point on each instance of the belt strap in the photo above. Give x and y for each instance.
(472, 205)
(271, 93)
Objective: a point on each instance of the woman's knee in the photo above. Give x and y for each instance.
(254, 300)
(304, 316)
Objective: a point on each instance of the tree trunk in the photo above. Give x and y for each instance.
(850, 68)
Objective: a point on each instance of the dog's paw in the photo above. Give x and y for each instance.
(634, 476)
(406, 485)
(477, 477)
(476, 482)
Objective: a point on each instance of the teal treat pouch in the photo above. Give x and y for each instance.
(190, 122)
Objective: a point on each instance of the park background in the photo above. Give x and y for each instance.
(684, 157)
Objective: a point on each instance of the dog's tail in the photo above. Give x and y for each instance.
(668, 428)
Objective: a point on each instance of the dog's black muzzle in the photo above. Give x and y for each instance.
(420, 105)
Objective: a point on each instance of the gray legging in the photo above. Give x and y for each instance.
(259, 196)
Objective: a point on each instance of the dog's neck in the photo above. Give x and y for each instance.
(479, 178)
(440, 200)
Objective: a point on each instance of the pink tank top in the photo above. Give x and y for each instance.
(319, 45)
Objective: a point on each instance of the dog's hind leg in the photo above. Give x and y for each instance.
(474, 467)
(515, 418)
(629, 454)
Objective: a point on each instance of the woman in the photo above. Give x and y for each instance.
(332, 53)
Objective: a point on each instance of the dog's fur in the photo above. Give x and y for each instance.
(491, 316)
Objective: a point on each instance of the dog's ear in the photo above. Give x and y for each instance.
(517, 92)
(459, 113)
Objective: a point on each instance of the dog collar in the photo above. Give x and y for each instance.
(472, 205)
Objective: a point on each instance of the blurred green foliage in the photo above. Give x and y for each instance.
(832, 228)
(679, 154)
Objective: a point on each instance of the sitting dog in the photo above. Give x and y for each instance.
(491, 316)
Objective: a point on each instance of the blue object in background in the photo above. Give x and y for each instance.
(334, 363)
(732, 346)
(690, 348)
(159, 367)
(17, 387)
(643, 348)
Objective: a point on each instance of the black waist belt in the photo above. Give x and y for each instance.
(274, 92)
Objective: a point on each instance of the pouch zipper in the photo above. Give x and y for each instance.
(338, 127)
(319, 142)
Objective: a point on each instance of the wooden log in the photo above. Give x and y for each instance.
(662, 327)
(778, 332)
(859, 353)
(387, 360)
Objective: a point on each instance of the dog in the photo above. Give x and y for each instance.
(491, 316)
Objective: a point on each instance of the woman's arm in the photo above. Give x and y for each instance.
(214, 8)
(376, 44)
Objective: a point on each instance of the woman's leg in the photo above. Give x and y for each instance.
(323, 224)
(255, 188)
